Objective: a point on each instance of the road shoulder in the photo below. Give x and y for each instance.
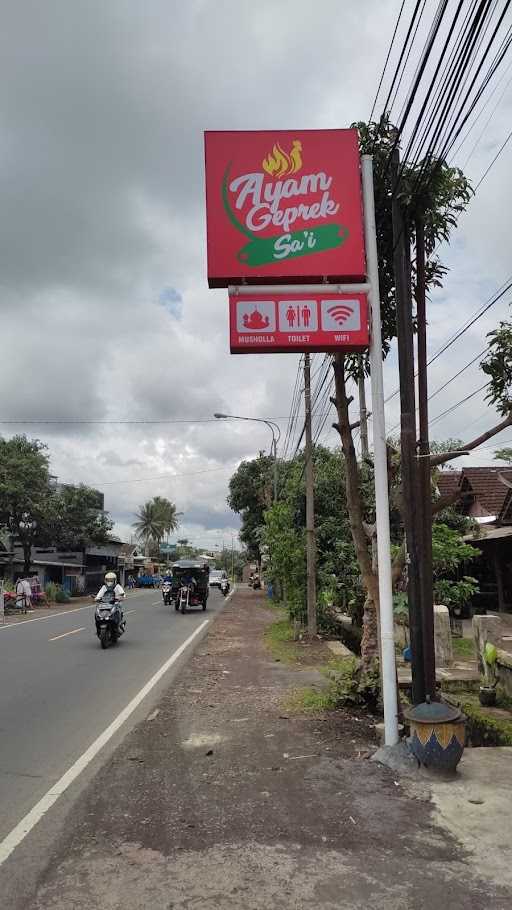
(221, 799)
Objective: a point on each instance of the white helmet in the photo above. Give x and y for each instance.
(110, 579)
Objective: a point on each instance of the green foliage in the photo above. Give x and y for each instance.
(77, 518)
(154, 519)
(51, 590)
(338, 577)
(250, 494)
(62, 597)
(279, 640)
(34, 512)
(497, 364)
(483, 728)
(401, 608)
(449, 550)
(25, 496)
(445, 194)
(455, 593)
(441, 446)
(348, 687)
(490, 654)
(351, 686)
(56, 594)
(309, 700)
(503, 455)
(455, 520)
(286, 545)
(464, 648)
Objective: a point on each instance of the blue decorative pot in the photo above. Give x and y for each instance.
(437, 735)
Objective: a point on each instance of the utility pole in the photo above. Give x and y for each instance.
(409, 462)
(310, 504)
(423, 460)
(363, 415)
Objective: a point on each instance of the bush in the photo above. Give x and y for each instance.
(51, 590)
(350, 686)
(56, 594)
(62, 597)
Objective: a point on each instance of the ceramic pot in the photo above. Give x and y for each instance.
(437, 735)
(487, 696)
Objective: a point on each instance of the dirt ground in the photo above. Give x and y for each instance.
(221, 799)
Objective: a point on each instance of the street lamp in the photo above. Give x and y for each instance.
(276, 435)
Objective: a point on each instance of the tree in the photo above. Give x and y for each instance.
(503, 455)
(24, 492)
(150, 524)
(76, 519)
(444, 194)
(167, 512)
(35, 512)
(250, 495)
(338, 577)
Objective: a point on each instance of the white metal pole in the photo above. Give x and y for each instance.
(380, 459)
(252, 289)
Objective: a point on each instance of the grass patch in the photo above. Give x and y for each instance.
(309, 700)
(279, 641)
(464, 648)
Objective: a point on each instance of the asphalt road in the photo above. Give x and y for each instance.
(59, 691)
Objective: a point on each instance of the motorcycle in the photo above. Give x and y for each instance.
(167, 593)
(224, 587)
(110, 621)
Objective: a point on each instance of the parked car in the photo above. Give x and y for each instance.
(216, 577)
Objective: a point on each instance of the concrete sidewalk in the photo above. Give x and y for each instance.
(223, 799)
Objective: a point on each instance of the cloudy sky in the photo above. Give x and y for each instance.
(105, 311)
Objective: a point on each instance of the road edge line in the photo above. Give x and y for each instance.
(31, 819)
(24, 622)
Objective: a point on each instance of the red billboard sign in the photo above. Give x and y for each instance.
(280, 323)
(283, 205)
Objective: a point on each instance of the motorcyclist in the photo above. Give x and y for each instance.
(111, 587)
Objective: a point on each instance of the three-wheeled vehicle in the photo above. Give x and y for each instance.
(190, 584)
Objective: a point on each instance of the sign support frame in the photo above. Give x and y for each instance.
(386, 625)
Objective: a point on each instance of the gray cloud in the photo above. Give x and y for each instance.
(102, 110)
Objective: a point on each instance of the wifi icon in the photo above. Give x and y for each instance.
(340, 313)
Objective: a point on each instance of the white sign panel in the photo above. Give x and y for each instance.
(298, 316)
(256, 316)
(340, 314)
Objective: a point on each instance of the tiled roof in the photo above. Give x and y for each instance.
(448, 482)
(128, 549)
(488, 486)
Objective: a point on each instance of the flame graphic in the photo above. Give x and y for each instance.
(278, 163)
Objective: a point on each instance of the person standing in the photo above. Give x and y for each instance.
(23, 594)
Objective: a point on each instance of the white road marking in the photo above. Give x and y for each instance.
(14, 625)
(64, 634)
(25, 826)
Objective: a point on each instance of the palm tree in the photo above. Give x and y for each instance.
(167, 512)
(149, 524)
(155, 518)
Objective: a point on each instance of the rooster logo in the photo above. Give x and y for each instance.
(280, 164)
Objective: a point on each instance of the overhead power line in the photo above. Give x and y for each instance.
(457, 405)
(497, 155)
(397, 23)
